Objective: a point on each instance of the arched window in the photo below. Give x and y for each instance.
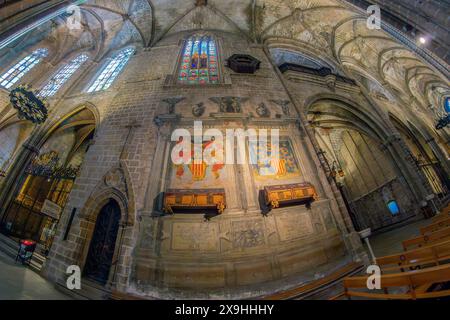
(112, 70)
(57, 81)
(199, 63)
(8, 79)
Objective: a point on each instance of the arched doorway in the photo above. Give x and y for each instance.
(41, 192)
(101, 250)
(369, 178)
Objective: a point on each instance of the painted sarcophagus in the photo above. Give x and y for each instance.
(195, 201)
(288, 195)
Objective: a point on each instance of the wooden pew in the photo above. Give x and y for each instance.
(440, 217)
(306, 290)
(438, 225)
(446, 210)
(431, 255)
(427, 240)
(410, 285)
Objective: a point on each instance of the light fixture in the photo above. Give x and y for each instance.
(28, 105)
(422, 40)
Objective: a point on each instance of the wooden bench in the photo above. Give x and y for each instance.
(314, 286)
(427, 256)
(410, 285)
(427, 240)
(438, 225)
(440, 217)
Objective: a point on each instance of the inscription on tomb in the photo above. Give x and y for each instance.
(248, 234)
(195, 236)
(294, 225)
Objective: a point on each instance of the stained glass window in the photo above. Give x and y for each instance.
(57, 81)
(112, 70)
(15, 73)
(199, 64)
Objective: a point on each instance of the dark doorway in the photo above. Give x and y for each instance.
(101, 250)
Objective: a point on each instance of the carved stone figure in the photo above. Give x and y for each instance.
(198, 110)
(229, 104)
(284, 104)
(263, 111)
(172, 102)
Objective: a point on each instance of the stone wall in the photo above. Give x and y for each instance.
(372, 211)
(238, 254)
(241, 253)
(372, 180)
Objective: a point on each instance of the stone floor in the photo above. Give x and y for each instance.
(390, 242)
(20, 283)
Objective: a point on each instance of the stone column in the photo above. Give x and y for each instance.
(158, 172)
(441, 157)
(11, 184)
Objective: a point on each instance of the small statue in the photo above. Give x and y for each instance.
(263, 111)
(198, 110)
(284, 104)
(229, 104)
(172, 102)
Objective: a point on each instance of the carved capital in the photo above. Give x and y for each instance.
(172, 102)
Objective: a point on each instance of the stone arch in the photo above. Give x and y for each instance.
(98, 200)
(88, 219)
(356, 140)
(43, 134)
(82, 132)
(365, 118)
(297, 47)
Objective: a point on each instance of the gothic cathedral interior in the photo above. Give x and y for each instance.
(226, 149)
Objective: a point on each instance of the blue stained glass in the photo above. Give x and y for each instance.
(61, 77)
(447, 105)
(15, 73)
(393, 208)
(112, 70)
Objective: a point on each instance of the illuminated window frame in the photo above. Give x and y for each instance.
(393, 207)
(192, 70)
(111, 70)
(15, 73)
(62, 76)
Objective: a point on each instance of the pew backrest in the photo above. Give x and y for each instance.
(414, 285)
(428, 239)
(435, 254)
(438, 225)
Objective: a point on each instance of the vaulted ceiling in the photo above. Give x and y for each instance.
(329, 30)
